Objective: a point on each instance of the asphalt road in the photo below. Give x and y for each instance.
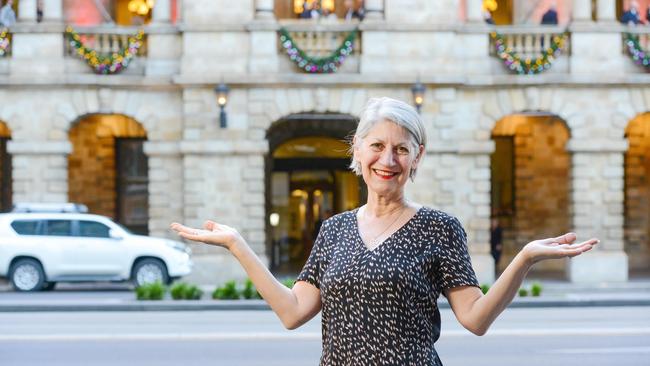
(551, 336)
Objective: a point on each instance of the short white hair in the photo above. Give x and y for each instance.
(393, 110)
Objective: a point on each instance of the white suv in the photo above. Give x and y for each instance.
(39, 249)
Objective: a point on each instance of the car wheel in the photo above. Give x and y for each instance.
(27, 275)
(49, 286)
(149, 271)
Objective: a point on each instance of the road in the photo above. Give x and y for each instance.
(549, 336)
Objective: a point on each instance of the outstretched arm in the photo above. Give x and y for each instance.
(293, 306)
(476, 311)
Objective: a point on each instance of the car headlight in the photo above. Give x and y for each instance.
(179, 246)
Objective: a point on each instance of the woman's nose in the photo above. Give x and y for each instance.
(387, 158)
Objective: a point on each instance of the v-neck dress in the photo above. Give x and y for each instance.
(379, 307)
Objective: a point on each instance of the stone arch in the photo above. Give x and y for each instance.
(5, 169)
(637, 193)
(303, 189)
(107, 169)
(530, 180)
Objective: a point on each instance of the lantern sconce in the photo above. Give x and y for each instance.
(222, 99)
(418, 94)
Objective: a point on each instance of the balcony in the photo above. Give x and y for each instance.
(318, 41)
(106, 41)
(529, 43)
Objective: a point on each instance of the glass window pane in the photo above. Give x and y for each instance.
(25, 227)
(93, 229)
(58, 227)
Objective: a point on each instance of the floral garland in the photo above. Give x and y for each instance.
(4, 42)
(106, 64)
(528, 66)
(638, 54)
(317, 65)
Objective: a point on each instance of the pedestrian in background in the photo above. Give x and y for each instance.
(7, 14)
(496, 242)
(376, 272)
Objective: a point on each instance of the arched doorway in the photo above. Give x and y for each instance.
(637, 193)
(5, 170)
(530, 182)
(108, 170)
(308, 180)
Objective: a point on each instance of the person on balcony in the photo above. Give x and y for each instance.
(550, 17)
(631, 16)
(350, 11)
(376, 272)
(7, 14)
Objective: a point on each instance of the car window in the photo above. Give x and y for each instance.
(58, 227)
(93, 229)
(25, 227)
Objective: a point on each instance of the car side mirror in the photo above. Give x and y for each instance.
(114, 234)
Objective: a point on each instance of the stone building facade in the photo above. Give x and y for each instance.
(579, 132)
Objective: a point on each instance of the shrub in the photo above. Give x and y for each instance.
(485, 288)
(185, 291)
(151, 291)
(226, 292)
(536, 289)
(523, 292)
(289, 282)
(249, 291)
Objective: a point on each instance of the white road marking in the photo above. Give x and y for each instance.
(306, 336)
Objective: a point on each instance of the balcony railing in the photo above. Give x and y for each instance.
(319, 40)
(105, 40)
(530, 42)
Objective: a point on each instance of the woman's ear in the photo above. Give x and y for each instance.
(418, 157)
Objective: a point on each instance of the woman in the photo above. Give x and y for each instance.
(376, 272)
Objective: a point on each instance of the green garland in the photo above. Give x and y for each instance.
(638, 54)
(106, 64)
(4, 42)
(317, 65)
(528, 66)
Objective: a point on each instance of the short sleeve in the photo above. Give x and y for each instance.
(315, 265)
(454, 266)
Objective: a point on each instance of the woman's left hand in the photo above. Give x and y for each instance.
(555, 248)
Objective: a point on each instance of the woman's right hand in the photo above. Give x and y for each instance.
(211, 233)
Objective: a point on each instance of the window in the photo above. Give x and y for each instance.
(25, 227)
(93, 229)
(58, 227)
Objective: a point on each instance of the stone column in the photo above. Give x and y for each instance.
(52, 11)
(40, 170)
(597, 196)
(606, 11)
(264, 9)
(162, 42)
(27, 11)
(474, 11)
(581, 11)
(165, 186)
(374, 10)
(162, 12)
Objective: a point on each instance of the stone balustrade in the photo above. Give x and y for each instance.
(528, 42)
(106, 40)
(321, 40)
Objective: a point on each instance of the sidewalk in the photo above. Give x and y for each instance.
(120, 297)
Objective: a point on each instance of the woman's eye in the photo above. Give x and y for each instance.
(402, 150)
(376, 146)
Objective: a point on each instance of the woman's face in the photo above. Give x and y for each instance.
(386, 156)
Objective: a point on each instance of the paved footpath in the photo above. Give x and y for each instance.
(120, 297)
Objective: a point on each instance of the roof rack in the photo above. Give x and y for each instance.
(67, 207)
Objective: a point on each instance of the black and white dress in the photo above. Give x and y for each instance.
(379, 307)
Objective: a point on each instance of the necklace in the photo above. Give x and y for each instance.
(373, 243)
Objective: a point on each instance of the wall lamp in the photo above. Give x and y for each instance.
(418, 94)
(222, 99)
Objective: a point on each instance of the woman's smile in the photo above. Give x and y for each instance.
(385, 174)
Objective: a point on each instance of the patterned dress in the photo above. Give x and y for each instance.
(379, 307)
